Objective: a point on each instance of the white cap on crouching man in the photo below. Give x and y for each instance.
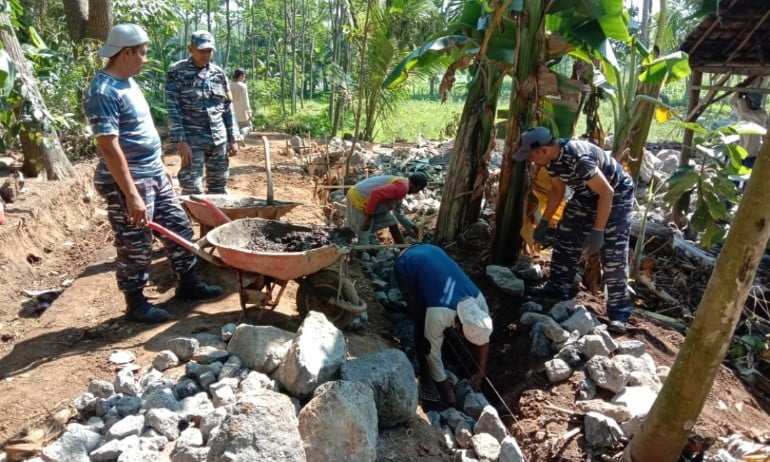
(122, 36)
(477, 325)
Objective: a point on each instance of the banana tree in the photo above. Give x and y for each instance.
(466, 44)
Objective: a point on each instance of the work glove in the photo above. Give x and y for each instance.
(540, 231)
(595, 241)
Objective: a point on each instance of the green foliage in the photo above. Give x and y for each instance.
(711, 183)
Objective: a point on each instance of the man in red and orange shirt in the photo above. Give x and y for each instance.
(375, 203)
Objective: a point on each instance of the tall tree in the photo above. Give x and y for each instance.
(88, 19)
(670, 421)
(39, 141)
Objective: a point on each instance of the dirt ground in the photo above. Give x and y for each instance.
(59, 232)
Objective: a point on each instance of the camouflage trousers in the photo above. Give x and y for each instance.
(217, 164)
(134, 243)
(577, 222)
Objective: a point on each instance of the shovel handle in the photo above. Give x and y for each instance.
(219, 215)
(185, 244)
(268, 170)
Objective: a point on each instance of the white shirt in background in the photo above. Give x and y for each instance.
(241, 104)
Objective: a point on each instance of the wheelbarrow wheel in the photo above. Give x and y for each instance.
(316, 290)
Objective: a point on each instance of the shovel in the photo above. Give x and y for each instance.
(266, 144)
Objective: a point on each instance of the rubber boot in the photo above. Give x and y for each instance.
(139, 309)
(192, 288)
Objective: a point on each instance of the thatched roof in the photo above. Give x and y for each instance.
(734, 39)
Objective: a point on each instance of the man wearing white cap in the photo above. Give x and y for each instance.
(440, 295)
(132, 177)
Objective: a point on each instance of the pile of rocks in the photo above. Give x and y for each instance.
(575, 340)
(476, 433)
(255, 393)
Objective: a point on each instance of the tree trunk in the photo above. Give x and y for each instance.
(361, 85)
(467, 171)
(76, 17)
(671, 419)
(282, 64)
(511, 195)
(229, 26)
(39, 142)
(293, 26)
(99, 19)
(208, 15)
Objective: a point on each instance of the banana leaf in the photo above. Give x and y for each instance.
(427, 54)
(7, 74)
(669, 68)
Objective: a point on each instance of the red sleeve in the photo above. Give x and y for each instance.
(393, 191)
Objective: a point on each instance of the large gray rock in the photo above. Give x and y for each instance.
(166, 359)
(570, 353)
(554, 331)
(113, 449)
(606, 374)
(609, 342)
(486, 447)
(255, 382)
(504, 279)
(601, 431)
(230, 368)
(212, 421)
(160, 398)
(227, 331)
(259, 428)
(195, 406)
(559, 312)
(638, 400)
(593, 345)
(474, 404)
(314, 357)
(510, 451)
(632, 347)
(184, 348)
(184, 453)
(209, 354)
(101, 388)
(541, 346)
(614, 411)
(463, 435)
(390, 376)
(465, 455)
(531, 318)
(256, 345)
(164, 421)
(489, 422)
(73, 446)
(581, 321)
(126, 383)
(127, 426)
(586, 389)
(340, 423)
(557, 370)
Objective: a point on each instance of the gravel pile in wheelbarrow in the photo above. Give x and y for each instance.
(277, 236)
(235, 202)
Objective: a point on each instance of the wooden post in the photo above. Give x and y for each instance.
(695, 81)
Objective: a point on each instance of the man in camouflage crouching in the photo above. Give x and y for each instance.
(201, 117)
(132, 177)
(597, 217)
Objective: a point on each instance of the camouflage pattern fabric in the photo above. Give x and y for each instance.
(134, 243)
(217, 164)
(577, 222)
(200, 113)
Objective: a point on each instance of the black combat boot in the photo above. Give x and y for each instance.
(139, 309)
(192, 288)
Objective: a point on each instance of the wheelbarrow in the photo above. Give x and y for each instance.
(200, 206)
(321, 287)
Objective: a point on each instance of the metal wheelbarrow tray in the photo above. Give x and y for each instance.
(235, 207)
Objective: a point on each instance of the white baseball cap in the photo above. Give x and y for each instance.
(477, 325)
(122, 36)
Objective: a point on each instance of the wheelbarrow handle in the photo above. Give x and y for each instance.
(193, 247)
(219, 215)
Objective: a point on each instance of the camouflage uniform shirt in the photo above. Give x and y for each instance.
(579, 161)
(199, 104)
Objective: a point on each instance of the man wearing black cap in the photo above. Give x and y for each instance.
(201, 117)
(597, 217)
(375, 203)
